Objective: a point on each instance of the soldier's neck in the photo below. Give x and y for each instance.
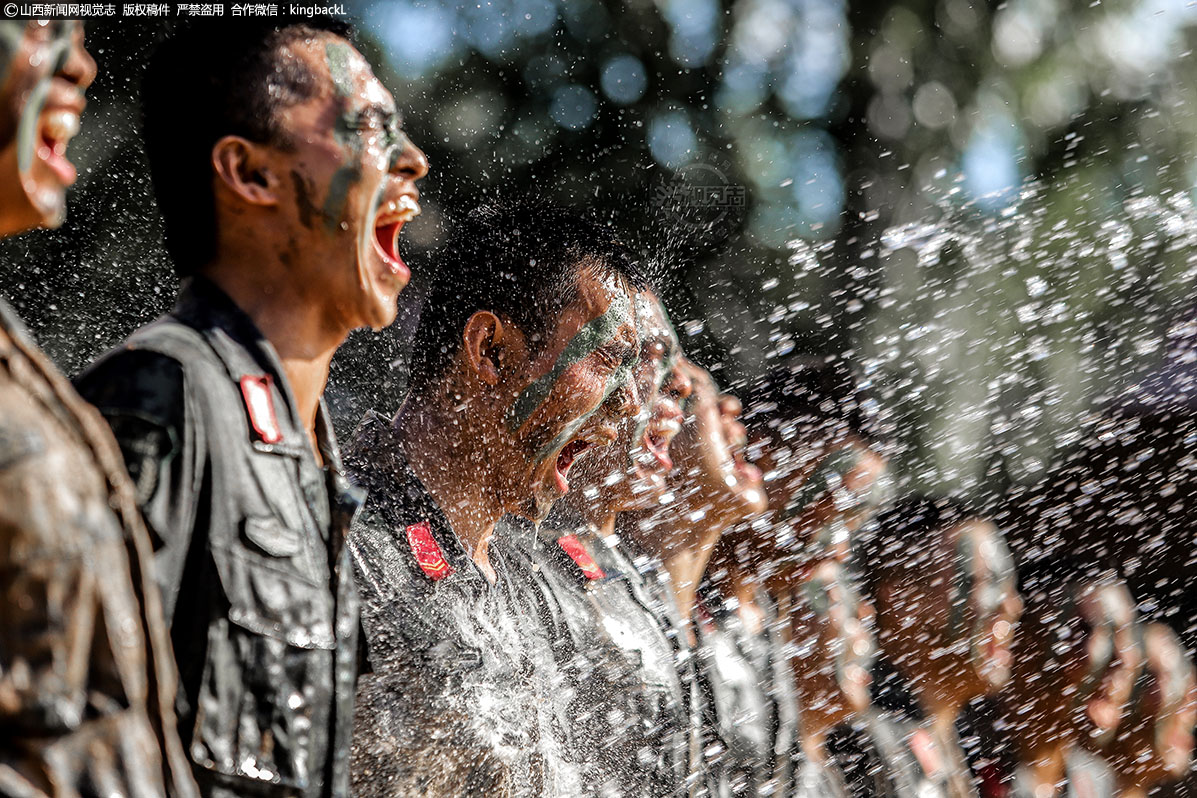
(299, 330)
(446, 458)
(599, 519)
(686, 565)
(739, 583)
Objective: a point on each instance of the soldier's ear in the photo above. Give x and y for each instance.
(484, 344)
(241, 168)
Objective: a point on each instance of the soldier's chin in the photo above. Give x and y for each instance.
(26, 205)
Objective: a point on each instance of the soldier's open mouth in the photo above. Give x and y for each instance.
(387, 226)
(565, 460)
(658, 447)
(57, 128)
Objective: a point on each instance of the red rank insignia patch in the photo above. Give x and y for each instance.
(577, 552)
(427, 553)
(259, 401)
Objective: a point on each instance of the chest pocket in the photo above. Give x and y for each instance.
(265, 699)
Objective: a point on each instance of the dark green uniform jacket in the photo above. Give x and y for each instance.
(87, 681)
(632, 712)
(255, 575)
(465, 697)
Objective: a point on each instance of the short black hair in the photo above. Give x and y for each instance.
(209, 79)
(520, 259)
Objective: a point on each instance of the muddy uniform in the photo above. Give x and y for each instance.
(631, 712)
(86, 677)
(255, 574)
(463, 698)
(751, 719)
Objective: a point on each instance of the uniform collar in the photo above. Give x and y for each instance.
(243, 349)
(376, 458)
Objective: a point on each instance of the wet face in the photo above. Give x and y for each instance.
(1155, 743)
(986, 580)
(822, 491)
(630, 474)
(1113, 656)
(347, 185)
(572, 395)
(46, 71)
(835, 646)
(712, 474)
(954, 610)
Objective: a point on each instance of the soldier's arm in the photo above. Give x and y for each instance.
(143, 396)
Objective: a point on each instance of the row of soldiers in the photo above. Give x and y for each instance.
(569, 565)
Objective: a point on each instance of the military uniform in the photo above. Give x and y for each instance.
(900, 757)
(86, 677)
(255, 574)
(1086, 776)
(633, 711)
(820, 781)
(751, 722)
(464, 697)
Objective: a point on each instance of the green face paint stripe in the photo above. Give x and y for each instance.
(11, 33)
(56, 54)
(618, 378)
(595, 333)
(562, 438)
(338, 191)
(337, 55)
(838, 463)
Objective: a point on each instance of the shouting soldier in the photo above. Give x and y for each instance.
(86, 677)
(522, 363)
(284, 179)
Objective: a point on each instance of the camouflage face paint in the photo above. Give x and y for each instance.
(827, 477)
(618, 381)
(346, 131)
(54, 57)
(11, 33)
(595, 333)
(650, 328)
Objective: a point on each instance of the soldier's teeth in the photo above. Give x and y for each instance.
(409, 205)
(61, 125)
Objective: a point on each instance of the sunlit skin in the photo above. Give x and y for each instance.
(41, 100)
(1110, 611)
(306, 270)
(712, 486)
(630, 474)
(831, 629)
(947, 619)
(1065, 659)
(1155, 744)
(852, 481)
(458, 435)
